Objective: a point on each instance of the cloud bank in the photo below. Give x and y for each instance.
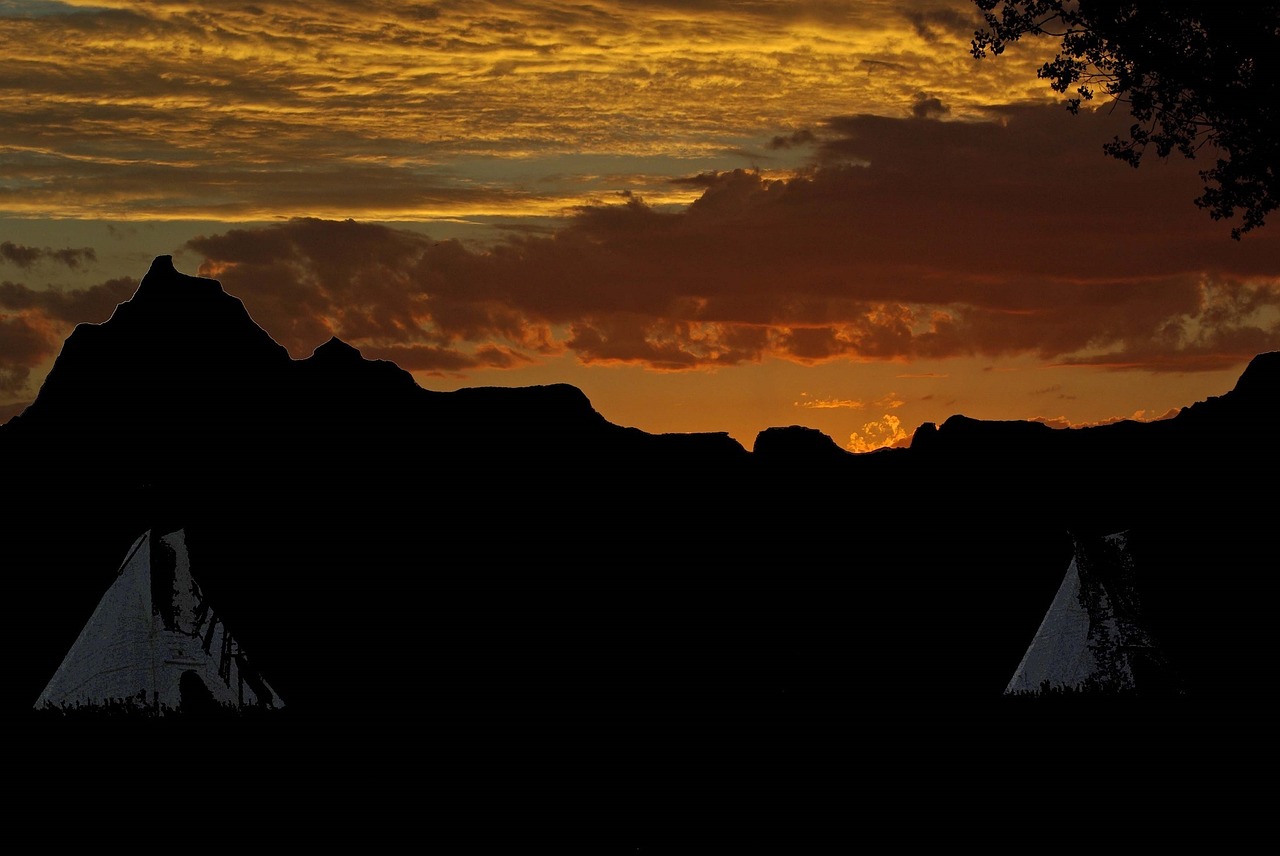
(905, 239)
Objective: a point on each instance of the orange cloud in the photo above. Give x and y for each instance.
(24, 343)
(881, 434)
(890, 401)
(1138, 416)
(829, 403)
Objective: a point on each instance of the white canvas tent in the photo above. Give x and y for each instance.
(151, 636)
(1093, 635)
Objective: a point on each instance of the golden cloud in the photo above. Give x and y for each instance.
(880, 434)
(379, 110)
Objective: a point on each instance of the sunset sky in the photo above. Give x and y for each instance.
(709, 215)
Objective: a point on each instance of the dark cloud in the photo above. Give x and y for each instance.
(436, 360)
(24, 256)
(803, 137)
(905, 239)
(34, 322)
(825, 11)
(937, 23)
(73, 257)
(877, 64)
(702, 179)
(70, 306)
(1218, 350)
(928, 107)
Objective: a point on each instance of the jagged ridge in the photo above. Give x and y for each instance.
(524, 553)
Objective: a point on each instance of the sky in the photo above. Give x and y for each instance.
(709, 215)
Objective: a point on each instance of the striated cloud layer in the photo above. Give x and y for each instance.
(384, 109)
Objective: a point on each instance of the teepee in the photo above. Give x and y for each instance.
(1094, 635)
(155, 639)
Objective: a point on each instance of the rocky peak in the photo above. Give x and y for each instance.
(336, 351)
(177, 351)
(163, 283)
(796, 444)
(1261, 378)
(338, 364)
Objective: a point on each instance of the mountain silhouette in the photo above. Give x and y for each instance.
(507, 559)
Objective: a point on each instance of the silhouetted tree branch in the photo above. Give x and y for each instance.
(1196, 76)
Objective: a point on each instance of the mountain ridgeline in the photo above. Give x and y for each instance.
(506, 558)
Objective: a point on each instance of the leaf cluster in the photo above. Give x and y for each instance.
(1198, 78)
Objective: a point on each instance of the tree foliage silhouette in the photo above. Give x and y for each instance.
(1197, 77)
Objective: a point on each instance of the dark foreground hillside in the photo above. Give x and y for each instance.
(506, 562)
